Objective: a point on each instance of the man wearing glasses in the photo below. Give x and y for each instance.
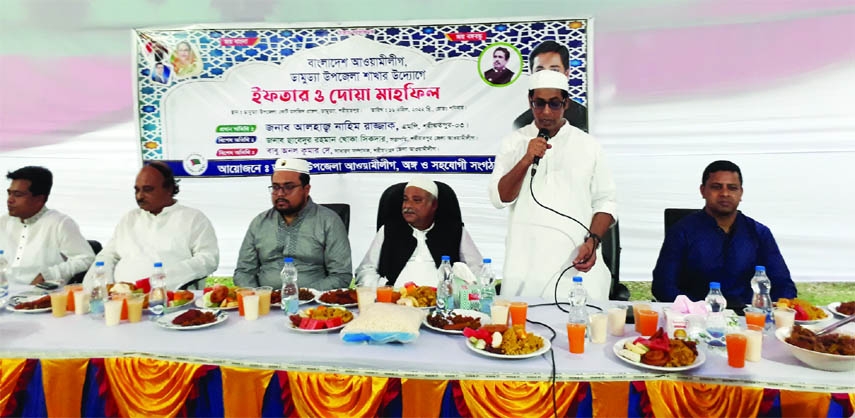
(572, 179)
(313, 235)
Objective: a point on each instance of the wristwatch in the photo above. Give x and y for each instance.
(596, 239)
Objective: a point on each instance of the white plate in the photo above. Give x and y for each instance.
(828, 316)
(290, 325)
(485, 320)
(165, 321)
(14, 300)
(833, 308)
(318, 300)
(200, 303)
(700, 359)
(546, 346)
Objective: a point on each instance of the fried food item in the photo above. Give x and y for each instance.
(218, 294)
(682, 353)
(516, 342)
(421, 296)
(812, 312)
(847, 308)
(324, 313)
(453, 322)
(838, 344)
(40, 303)
(305, 294)
(194, 317)
(657, 358)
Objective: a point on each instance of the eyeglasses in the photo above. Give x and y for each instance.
(540, 104)
(288, 188)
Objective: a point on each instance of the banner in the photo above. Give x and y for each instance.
(409, 98)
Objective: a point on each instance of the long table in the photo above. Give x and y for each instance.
(267, 346)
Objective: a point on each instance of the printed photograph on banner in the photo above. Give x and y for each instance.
(503, 63)
(185, 60)
(408, 98)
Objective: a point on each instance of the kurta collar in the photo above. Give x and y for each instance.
(35, 218)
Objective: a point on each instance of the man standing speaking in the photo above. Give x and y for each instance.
(564, 168)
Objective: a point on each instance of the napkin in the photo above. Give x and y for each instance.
(684, 305)
(462, 272)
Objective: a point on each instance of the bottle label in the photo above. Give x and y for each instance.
(292, 306)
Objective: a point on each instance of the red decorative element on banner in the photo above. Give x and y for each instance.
(845, 402)
(238, 41)
(459, 402)
(110, 407)
(644, 399)
(237, 152)
(466, 36)
(769, 396)
(393, 390)
(288, 409)
(20, 388)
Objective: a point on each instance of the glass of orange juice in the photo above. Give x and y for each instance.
(755, 316)
(635, 308)
(647, 321)
(737, 343)
(576, 337)
(240, 295)
(71, 288)
(59, 303)
(384, 294)
(518, 312)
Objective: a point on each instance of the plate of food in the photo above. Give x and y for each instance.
(416, 296)
(307, 295)
(320, 319)
(219, 297)
(337, 297)
(659, 353)
(507, 343)
(192, 319)
(842, 309)
(456, 321)
(29, 303)
(806, 312)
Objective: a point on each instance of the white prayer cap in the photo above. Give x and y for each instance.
(292, 164)
(547, 79)
(425, 184)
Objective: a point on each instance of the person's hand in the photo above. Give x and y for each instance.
(38, 279)
(536, 148)
(587, 256)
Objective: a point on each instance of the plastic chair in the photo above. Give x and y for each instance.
(343, 211)
(96, 248)
(389, 207)
(610, 247)
(673, 215)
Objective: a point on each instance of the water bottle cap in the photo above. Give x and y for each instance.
(487, 261)
(1, 252)
(288, 260)
(99, 264)
(446, 258)
(715, 285)
(577, 279)
(158, 264)
(760, 268)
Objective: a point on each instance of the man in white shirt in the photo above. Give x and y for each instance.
(409, 249)
(572, 179)
(40, 244)
(182, 238)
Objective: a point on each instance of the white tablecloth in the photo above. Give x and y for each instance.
(268, 343)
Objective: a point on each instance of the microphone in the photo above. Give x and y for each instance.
(542, 133)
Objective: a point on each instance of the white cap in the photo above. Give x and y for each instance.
(548, 79)
(425, 184)
(292, 164)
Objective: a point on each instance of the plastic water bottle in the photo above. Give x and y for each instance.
(578, 299)
(157, 295)
(290, 289)
(487, 284)
(762, 287)
(99, 289)
(4, 281)
(445, 287)
(716, 322)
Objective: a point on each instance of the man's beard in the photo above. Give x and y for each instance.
(291, 210)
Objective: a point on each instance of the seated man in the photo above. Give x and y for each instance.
(719, 244)
(410, 250)
(182, 238)
(313, 235)
(40, 244)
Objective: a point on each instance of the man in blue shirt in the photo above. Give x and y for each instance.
(719, 244)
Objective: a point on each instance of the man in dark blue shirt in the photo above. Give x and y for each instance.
(719, 244)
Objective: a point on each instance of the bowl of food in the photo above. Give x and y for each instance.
(833, 352)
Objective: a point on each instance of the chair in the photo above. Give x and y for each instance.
(96, 248)
(343, 211)
(672, 215)
(389, 208)
(610, 247)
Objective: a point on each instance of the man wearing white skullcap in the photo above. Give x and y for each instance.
(572, 178)
(313, 235)
(409, 249)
